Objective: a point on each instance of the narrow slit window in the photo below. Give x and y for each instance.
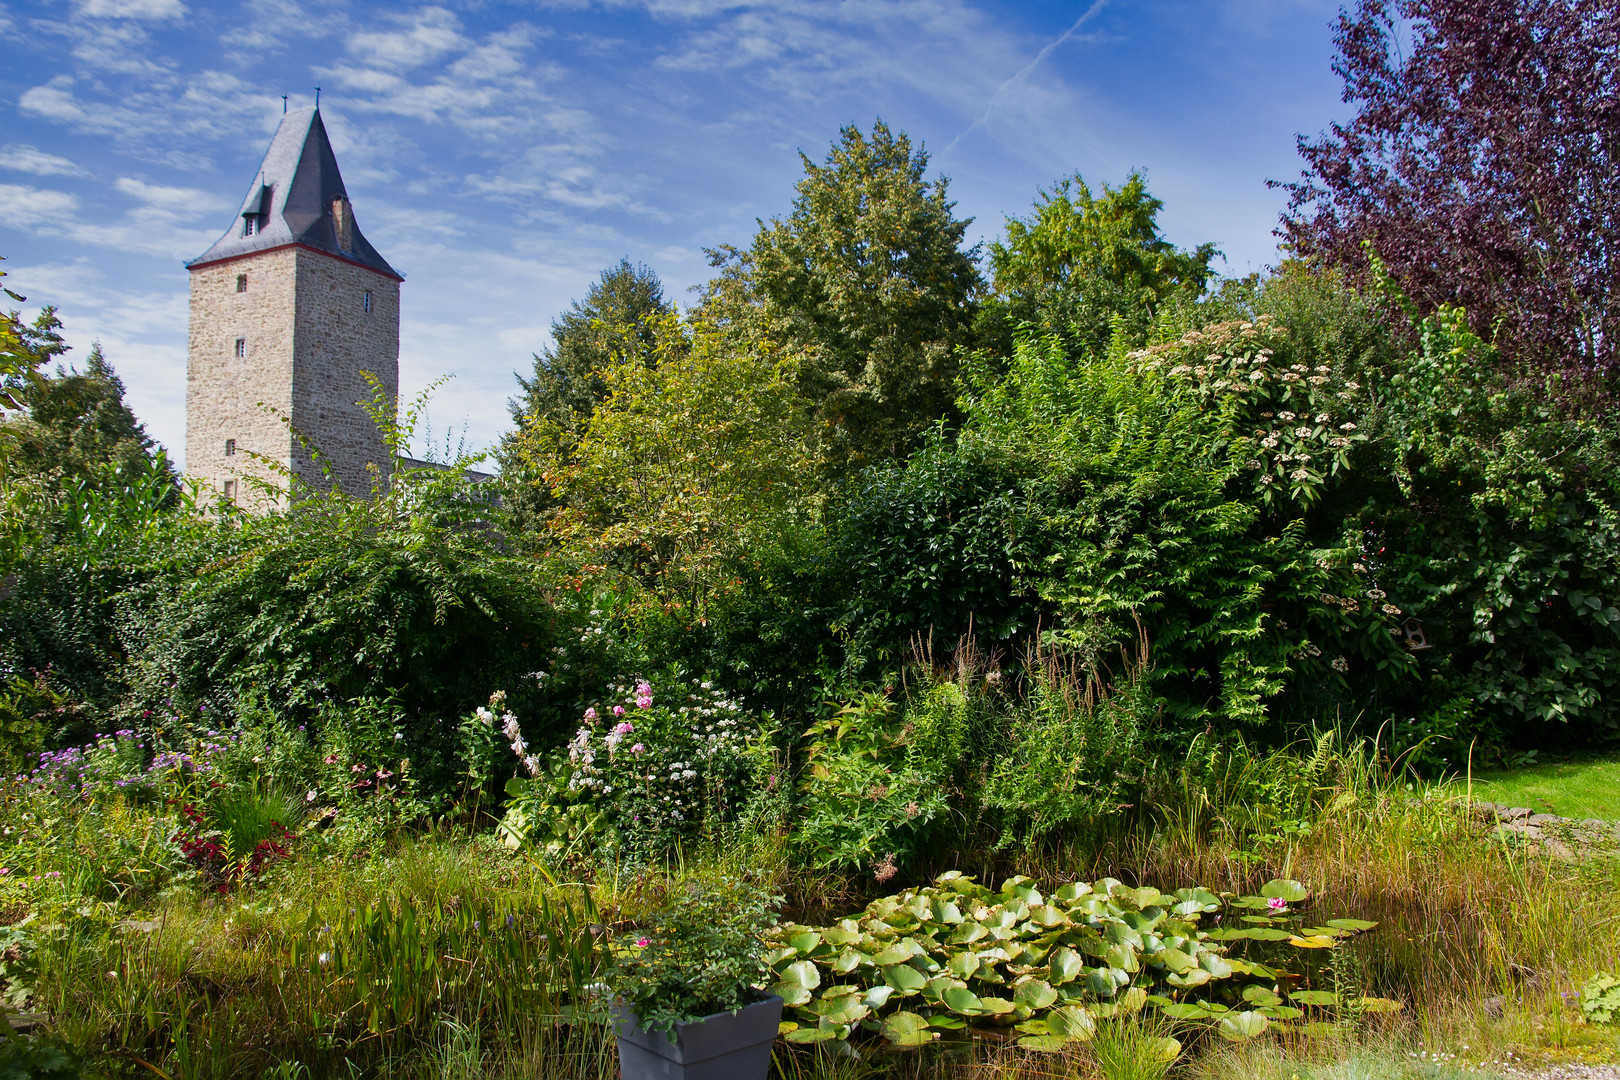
(230, 490)
(241, 283)
(367, 302)
(241, 348)
(249, 224)
(230, 447)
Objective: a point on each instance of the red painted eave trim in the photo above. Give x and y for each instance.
(194, 267)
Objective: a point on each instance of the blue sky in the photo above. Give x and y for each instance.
(500, 154)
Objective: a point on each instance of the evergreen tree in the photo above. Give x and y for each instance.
(615, 319)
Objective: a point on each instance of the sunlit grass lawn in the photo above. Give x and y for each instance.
(1584, 788)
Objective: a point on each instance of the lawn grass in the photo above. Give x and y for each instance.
(1577, 788)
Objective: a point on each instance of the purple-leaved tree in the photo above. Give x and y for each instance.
(1483, 165)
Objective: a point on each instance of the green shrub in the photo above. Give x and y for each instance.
(699, 954)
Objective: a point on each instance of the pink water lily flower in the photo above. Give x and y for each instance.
(642, 943)
(1277, 903)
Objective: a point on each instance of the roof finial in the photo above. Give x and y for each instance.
(284, 104)
(317, 97)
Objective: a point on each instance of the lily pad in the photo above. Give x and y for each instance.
(1240, 1027)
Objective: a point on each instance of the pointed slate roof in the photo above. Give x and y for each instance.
(291, 201)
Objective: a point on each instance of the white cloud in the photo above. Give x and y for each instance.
(424, 36)
(178, 199)
(33, 208)
(132, 9)
(20, 157)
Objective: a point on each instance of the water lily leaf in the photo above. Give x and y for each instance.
(1314, 997)
(1174, 960)
(810, 1035)
(792, 993)
(1239, 1027)
(1281, 1012)
(1161, 1048)
(1131, 1001)
(898, 953)
(963, 964)
(1285, 889)
(944, 1022)
(907, 1029)
(1252, 933)
(785, 1026)
(1049, 1044)
(1071, 892)
(1034, 993)
(959, 999)
(905, 979)
(946, 912)
(838, 935)
(1324, 931)
(1353, 925)
(849, 960)
(878, 996)
(801, 973)
(1099, 982)
(1310, 942)
(1260, 995)
(1047, 916)
(1071, 1022)
(1199, 899)
(995, 1006)
(967, 933)
(1186, 1010)
(1195, 977)
(805, 942)
(851, 1010)
(1064, 965)
(1215, 964)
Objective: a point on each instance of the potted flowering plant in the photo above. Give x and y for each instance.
(687, 1003)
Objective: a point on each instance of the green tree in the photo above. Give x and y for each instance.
(868, 283)
(615, 318)
(1085, 266)
(78, 425)
(693, 465)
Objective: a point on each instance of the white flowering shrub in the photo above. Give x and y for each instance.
(1291, 422)
(644, 769)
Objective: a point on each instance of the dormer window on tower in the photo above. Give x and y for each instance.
(257, 210)
(250, 224)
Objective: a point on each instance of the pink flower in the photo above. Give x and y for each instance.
(618, 710)
(624, 728)
(644, 694)
(642, 943)
(590, 714)
(638, 749)
(1277, 903)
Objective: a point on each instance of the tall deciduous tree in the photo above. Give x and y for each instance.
(1081, 265)
(867, 280)
(1483, 165)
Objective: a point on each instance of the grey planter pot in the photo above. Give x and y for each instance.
(725, 1046)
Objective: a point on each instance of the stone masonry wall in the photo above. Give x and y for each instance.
(337, 339)
(223, 391)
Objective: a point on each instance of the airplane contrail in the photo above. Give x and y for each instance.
(989, 109)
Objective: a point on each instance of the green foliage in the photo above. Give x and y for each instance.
(873, 789)
(1600, 999)
(867, 286)
(940, 961)
(698, 955)
(30, 1057)
(1074, 754)
(692, 469)
(1089, 267)
(1502, 532)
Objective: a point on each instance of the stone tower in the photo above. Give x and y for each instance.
(288, 308)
